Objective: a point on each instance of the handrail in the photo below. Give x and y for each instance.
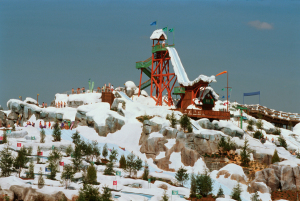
(203, 113)
(145, 60)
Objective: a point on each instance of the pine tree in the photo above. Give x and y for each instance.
(41, 181)
(146, 172)
(56, 132)
(76, 138)
(6, 162)
(259, 124)
(275, 157)
(42, 136)
(37, 156)
(29, 151)
(193, 190)
(88, 192)
(77, 157)
(184, 122)
(236, 192)
(109, 170)
(104, 151)
(257, 135)
(69, 150)
(122, 162)
(282, 142)
(181, 175)
(95, 150)
(204, 183)
(165, 197)
(133, 165)
(220, 193)
(250, 125)
(31, 170)
(255, 197)
(67, 175)
(172, 119)
(21, 159)
(138, 164)
(54, 159)
(106, 195)
(245, 155)
(91, 177)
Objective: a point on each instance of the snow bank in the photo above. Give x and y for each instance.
(86, 98)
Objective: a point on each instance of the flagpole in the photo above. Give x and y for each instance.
(173, 36)
(167, 35)
(227, 91)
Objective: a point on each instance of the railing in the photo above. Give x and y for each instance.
(143, 64)
(206, 113)
(161, 47)
(179, 90)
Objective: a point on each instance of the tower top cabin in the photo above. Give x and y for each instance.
(157, 36)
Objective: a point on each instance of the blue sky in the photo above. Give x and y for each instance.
(48, 47)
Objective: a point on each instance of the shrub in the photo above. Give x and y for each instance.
(172, 119)
(236, 192)
(220, 193)
(56, 132)
(41, 181)
(282, 142)
(204, 183)
(42, 136)
(245, 154)
(257, 134)
(193, 189)
(144, 117)
(88, 192)
(31, 170)
(122, 162)
(184, 122)
(250, 125)
(67, 174)
(165, 197)
(181, 175)
(146, 172)
(277, 131)
(275, 157)
(226, 145)
(91, 177)
(69, 150)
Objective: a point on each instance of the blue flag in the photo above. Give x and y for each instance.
(229, 96)
(47, 169)
(223, 96)
(153, 23)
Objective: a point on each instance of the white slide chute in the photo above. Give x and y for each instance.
(179, 71)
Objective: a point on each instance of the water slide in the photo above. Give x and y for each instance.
(179, 70)
(123, 95)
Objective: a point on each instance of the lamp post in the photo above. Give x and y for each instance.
(227, 84)
(37, 100)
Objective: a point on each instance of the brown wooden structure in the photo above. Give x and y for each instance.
(108, 96)
(198, 114)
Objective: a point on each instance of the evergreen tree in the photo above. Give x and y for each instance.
(146, 172)
(69, 150)
(113, 155)
(259, 124)
(245, 155)
(193, 190)
(54, 159)
(109, 170)
(255, 197)
(250, 125)
(67, 175)
(91, 177)
(21, 159)
(204, 183)
(41, 181)
(220, 193)
(37, 156)
(6, 162)
(42, 136)
(184, 122)
(88, 192)
(226, 145)
(282, 142)
(77, 157)
(29, 151)
(13, 127)
(56, 132)
(165, 197)
(190, 129)
(133, 165)
(95, 150)
(236, 192)
(76, 138)
(31, 170)
(257, 135)
(122, 162)
(138, 164)
(106, 195)
(88, 151)
(104, 151)
(181, 175)
(4, 137)
(275, 157)
(172, 119)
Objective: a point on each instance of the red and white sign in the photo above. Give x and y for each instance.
(61, 163)
(40, 153)
(114, 183)
(19, 144)
(1, 138)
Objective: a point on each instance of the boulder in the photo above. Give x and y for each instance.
(254, 187)
(13, 116)
(74, 104)
(287, 179)
(205, 123)
(112, 125)
(169, 132)
(15, 107)
(3, 116)
(149, 127)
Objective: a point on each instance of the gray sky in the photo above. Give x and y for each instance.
(48, 47)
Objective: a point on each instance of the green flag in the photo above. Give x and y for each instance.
(165, 29)
(174, 192)
(171, 30)
(223, 89)
(230, 89)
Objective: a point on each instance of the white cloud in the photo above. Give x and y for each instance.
(260, 25)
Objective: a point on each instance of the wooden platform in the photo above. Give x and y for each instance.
(209, 114)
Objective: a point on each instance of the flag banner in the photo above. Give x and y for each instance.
(19, 144)
(221, 73)
(61, 163)
(32, 137)
(230, 89)
(53, 147)
(118, 173)
(40, 153)
(8, 131)
(171, 30)
(153, 23)
(47, 169)
(229, 96)
(114, 183)
(92, 163)
(1, 138)
(252, 93)
(149, 180)
(165, 29)
(174, 192)
(223, 96)
(223, 89)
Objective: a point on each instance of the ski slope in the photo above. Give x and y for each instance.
(179, 70)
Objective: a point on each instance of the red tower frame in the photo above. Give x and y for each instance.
(161, 78)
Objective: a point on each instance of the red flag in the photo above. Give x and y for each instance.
(1, 138)
(61, 163)
(114, 183)
(19, 144)
(40, 153)
(221, 73)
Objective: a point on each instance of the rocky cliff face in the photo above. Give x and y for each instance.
(276, 177)
(190, 145)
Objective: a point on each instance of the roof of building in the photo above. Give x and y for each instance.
(157, 34)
